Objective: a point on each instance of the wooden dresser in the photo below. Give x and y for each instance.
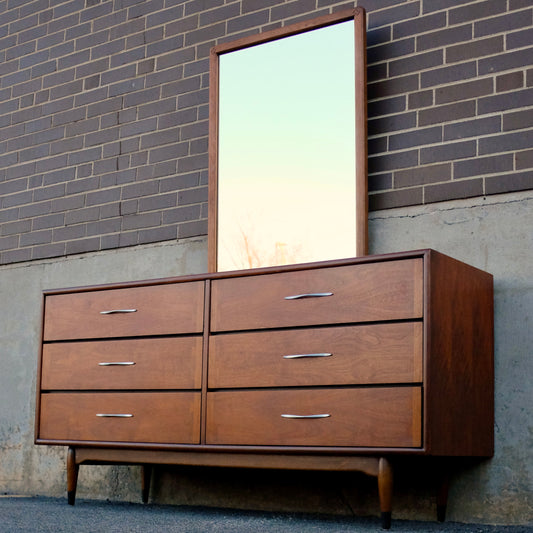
(339, 365)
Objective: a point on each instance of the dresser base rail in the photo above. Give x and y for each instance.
(379, 467)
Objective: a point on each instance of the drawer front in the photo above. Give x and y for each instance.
(359, 293)
(154, 310)
(358, 417)
(366, 354)
(166, 363)
(163, 417)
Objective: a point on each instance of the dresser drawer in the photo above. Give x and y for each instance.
(358, 293)
(366, 354)
(165, 363)
(163, 417)
(154, 310)
(360, 417)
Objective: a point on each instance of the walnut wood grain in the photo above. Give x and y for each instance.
(377, 353)
(361, 293)
(164, 363)
(165, 417)
(459, 410)
(358, 417)
(160, 310)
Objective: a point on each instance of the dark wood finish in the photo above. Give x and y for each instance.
(161, 310)
(72, 475)
(160, 363)
(171, 417)
(358, 417)
(361, 293)
(385, 478)
(146, 477)
(460, 368)
(413, 340)
(361, 157)
(377, 353)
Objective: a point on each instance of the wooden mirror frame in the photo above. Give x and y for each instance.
(361, 160)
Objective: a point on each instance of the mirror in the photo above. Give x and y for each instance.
(287, 169)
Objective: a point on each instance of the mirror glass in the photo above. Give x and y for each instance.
(286, 190)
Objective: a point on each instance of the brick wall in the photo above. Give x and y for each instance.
(104, 106)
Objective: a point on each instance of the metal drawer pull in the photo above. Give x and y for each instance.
(325, 415)
(117, 363)
(114, 311)
(309, 295)
(114, 415)
(304, 355)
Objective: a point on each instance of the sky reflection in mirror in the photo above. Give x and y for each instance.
(286, 166)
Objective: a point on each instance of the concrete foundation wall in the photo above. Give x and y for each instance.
(493, 233)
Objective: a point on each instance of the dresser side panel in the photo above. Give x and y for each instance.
(459, 409)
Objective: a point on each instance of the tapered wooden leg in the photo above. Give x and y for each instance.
(385, 492)
(146, 476)
(72, 475)
(442, 494)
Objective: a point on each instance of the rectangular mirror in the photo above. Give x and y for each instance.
(287, 145)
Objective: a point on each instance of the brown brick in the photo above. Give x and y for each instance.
(420, 24)
(377, 36)
(393, 86)
(165, 233)
(255, 5)
(503, 23)
(418, 137)
(48, 250)
(15, 256)
(171, 151)
(502, 102)
(65, 204)
(393, 161)
(48, 221)
(379, 182)
(448, 74)
(248, 21)
(103, 196)
(423, 175)
(507, 61)
(472, 128)
(448, 152)
(520, 181)
(83, 245)
(474, 49)
(181, 214)
(453, 190)
(508, 82)
(463, 91)
(391, 123)
(35, 237)
(476, 11)
(145, 220)
(111, 225)
(446, 113)
(377, 145)
(481, 166)
(388, 16)
(391, 199)
(518, 120)
(524, 159)
(416, 62)
(390, 50)
(192, 229)
(444, 37)
(14, 228)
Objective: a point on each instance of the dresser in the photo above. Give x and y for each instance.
(346, 365)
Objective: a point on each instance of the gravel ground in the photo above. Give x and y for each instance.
(38, 514)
